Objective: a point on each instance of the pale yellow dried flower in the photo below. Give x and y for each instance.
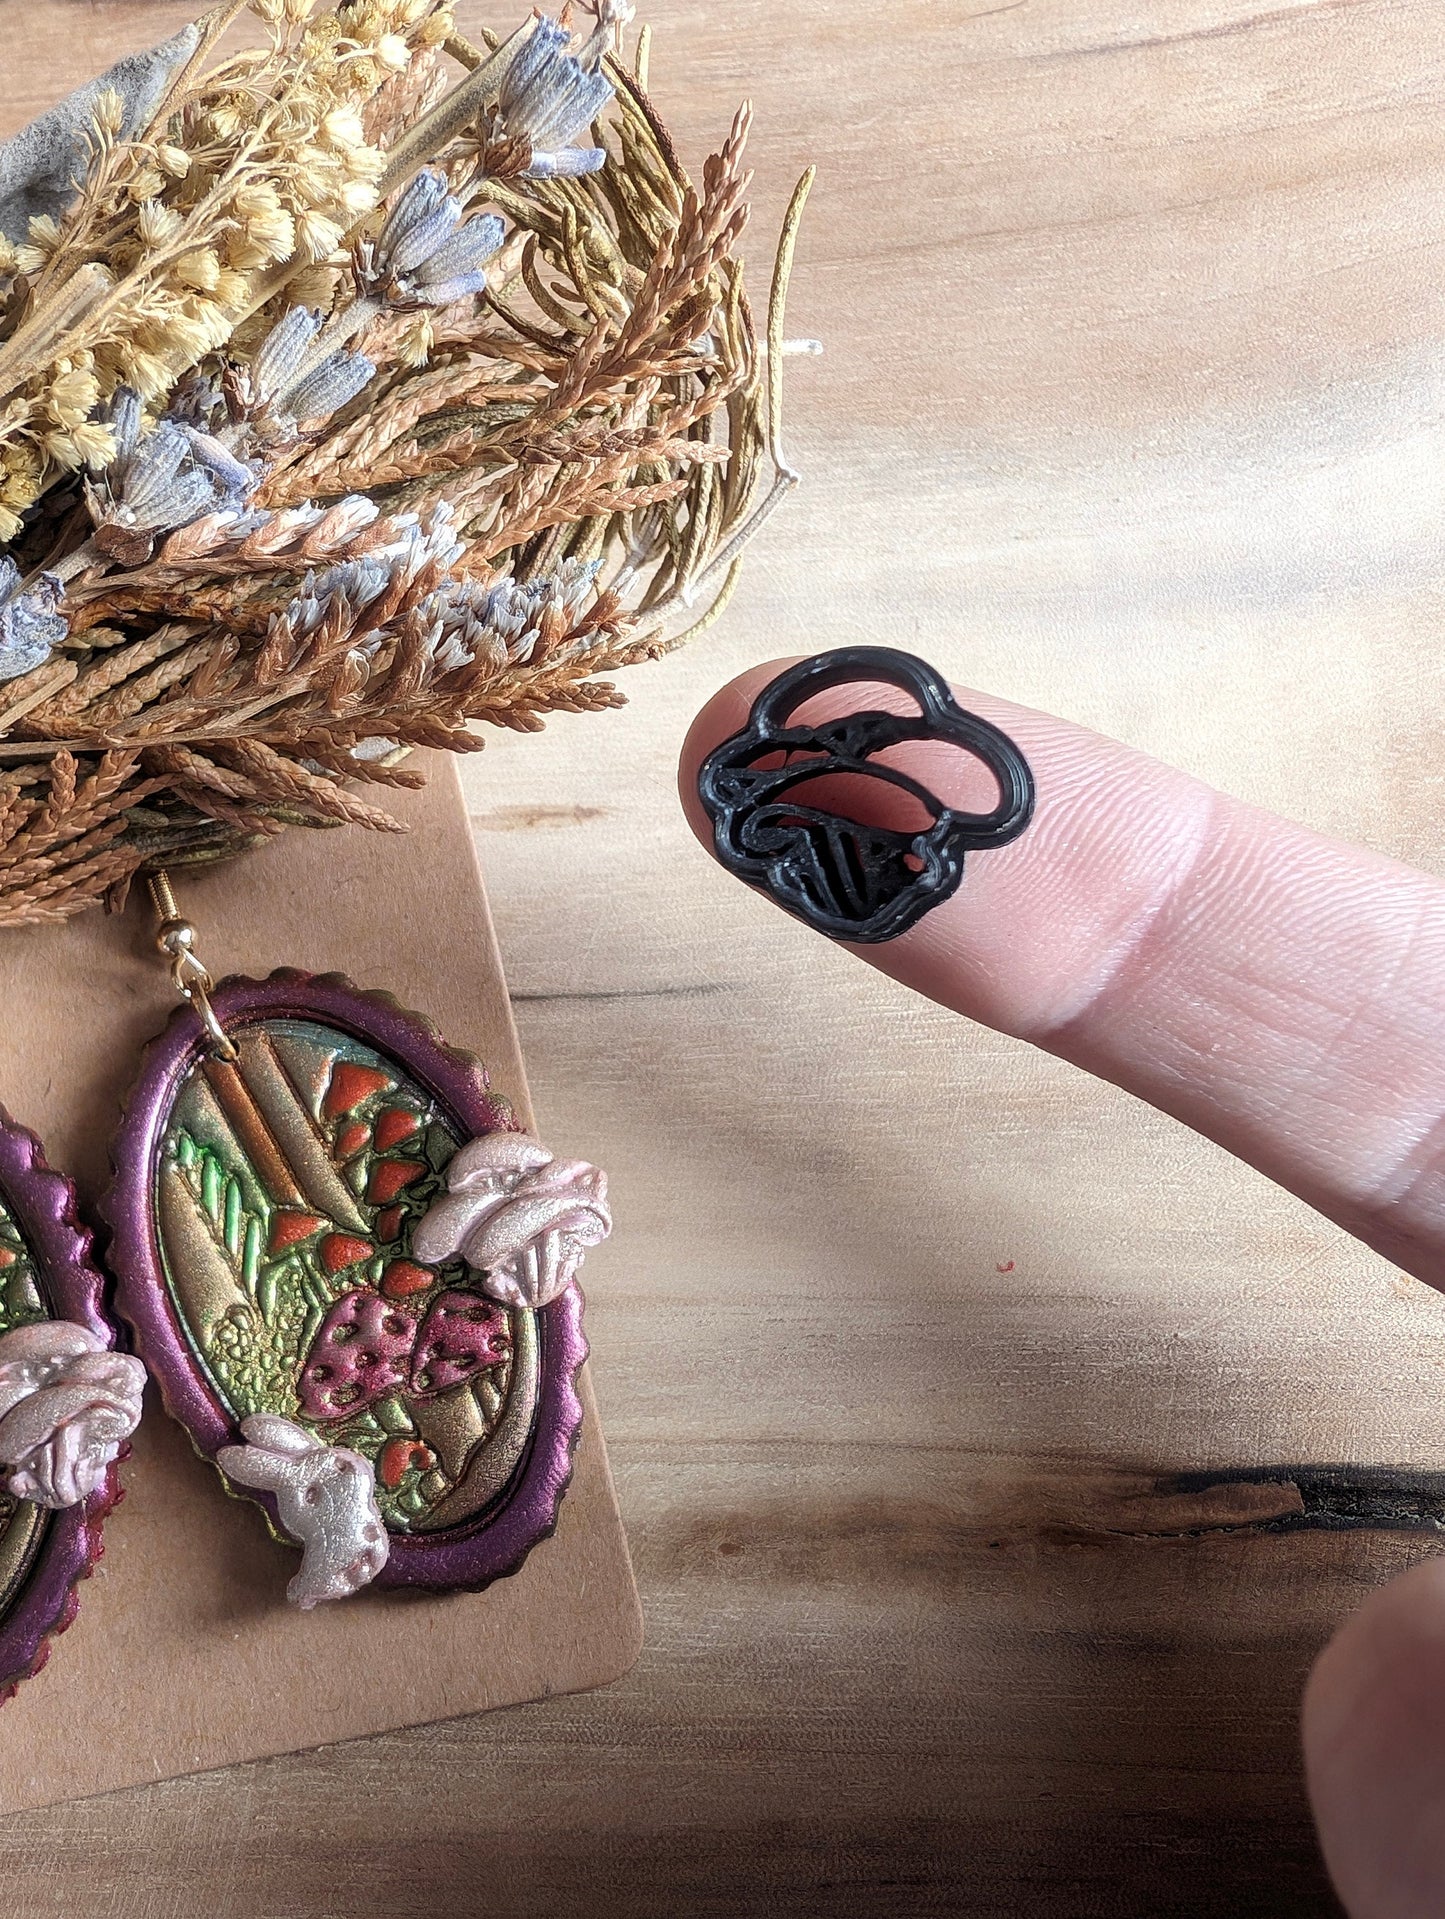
(257, 203)
(146, 371)
(64, 449)
(22, 468)
(158, 223)
(109, 113)
(86, 440)
(195, 328)
(245, 254)
(415, 341)
(227, 118)
(320, 40)
(313, 287)
(173, 160)
(94, 442)
(267, 230)
(342, 127)
(314, 177)
(44, 235)
(201, 270)
(73, 393)
(357, 197)
(146, 184)
(316, 237)
(364, 163)
(232, 289)
(438, 29)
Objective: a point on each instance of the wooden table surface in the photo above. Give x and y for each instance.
(934, 1375)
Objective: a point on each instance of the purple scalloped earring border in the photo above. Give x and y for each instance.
(463, 1558)
(43, 1203)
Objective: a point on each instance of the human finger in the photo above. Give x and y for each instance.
(1275, 989)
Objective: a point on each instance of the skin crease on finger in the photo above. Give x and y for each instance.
(1278, 991)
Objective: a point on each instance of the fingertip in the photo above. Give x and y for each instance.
(964, 955)
(1372, 1721)
(967, 954)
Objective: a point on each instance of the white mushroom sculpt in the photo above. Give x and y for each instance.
(67, 1406)
(325, 1498)
(516, 1215)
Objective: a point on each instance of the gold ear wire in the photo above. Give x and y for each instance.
(176, 939)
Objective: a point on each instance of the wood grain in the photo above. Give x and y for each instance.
(1130, 408)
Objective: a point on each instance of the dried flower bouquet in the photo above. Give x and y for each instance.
(355, 387)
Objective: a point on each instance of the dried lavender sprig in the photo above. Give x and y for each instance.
(550, 95)
(514, 609)
(341, 593)
(30, 625)
(462, 620)
(153, 483)
(426, 254)
(234, 479)
(164, 478)
(287, 383)
(326, 388)
(279, 359)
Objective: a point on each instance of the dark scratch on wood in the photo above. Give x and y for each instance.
(521, 818)
(703, 991)
(1332, 1498)
(1220, 30)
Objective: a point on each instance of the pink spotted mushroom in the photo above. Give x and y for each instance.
(461, 1336)
(369, 1347)
(516, 1215)
(361, 1353)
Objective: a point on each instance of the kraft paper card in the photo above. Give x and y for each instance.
(185, 1654)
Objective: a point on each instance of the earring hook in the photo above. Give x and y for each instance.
(176, 939)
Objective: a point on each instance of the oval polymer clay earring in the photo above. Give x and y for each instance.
(353, 1278)
(68, 1405)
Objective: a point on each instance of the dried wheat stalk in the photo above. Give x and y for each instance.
(373, 387)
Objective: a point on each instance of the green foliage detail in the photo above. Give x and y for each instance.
(253, 1355)
(253, 1351)
(213, 1185)
(392, 1417)
(251, 1257)
(20, 1301)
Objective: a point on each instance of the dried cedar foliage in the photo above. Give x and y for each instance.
(377, 387)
